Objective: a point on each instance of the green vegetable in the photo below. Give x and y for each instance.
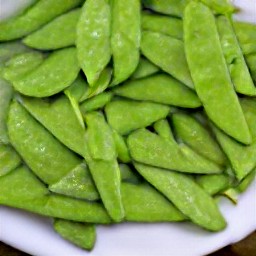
(129, 175)
(246, 32)
(163, 129)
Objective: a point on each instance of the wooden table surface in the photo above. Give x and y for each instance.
(246, 247)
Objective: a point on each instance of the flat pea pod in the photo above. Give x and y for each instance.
(77, 183)
(186, 195)
(160, 88)
(163, 24)
(220, 6)
(246, 182)
(125, 116)
(246, 32)
(80, 234)
(56, 73)
(145, 68)
(50, 37)
(125, 46)
(210, 73)
(143, 203)
(99, 137)
(233, 54)
(196, 136)
(93, 38)
(149, 148)
(21, 189)
(163, 129)
(156, 46)
(35, 17)
(96, 102)
(54, 115)
(9, 159)
(107, 178)
(6, 93)
(43, 153)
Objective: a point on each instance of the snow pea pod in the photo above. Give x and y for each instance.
(80, 234)
(238, 69)
(93, 38)
(156, 46)
(210, 74)
(50, 37)
(220, 6)
(246, 32)
(149, 148)
(143, 203)
(129, 175)
(196, 136)
(163, 24)
(125, 116)
(56, 73)
(43, 153)
(35, 17)
(9, 159)
(56, 114)
(160, 88)
(186, 195)
(251, 62)
(246, 181)
(6, 93)
(125, 46)
(163, 129)
(248, 48)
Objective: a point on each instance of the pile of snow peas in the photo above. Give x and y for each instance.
(115, 110)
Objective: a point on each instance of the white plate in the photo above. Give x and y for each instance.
(34, 234)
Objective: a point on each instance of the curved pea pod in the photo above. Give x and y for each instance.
(196, 136)
(56, 73)
(107, 178)
(121, 147)
(96, 102)
(145, 68)
(159, 88)
(77, 183)
(125, 116)
(9, 159)
(170, 7)
(93, 38)
(20, 65)
(246, 32)
(246, 182)
(125, 46)
(50, 37)
(210, 73)
(35, 17)
(43, 153)
(143, 203)
(80, 234)
(163, 129)
(163, 24)
(6, 93)
(238, 69)
(186, 195)
(129, 175)
(54, 115)
(149, 148)
(156, 46)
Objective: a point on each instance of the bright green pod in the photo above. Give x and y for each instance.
(125, 116)
(77, 183)
(129, 175)
(186, 195)
(163, 129)
(220, 6)
(6, 93)
(210, 73)
(56, 73)
(149, 148)
(93, 38)
(156, 46)
(196, 136)
(233, 54)
(59, 33)
(251, 62)
(54, 114)
(33, 18)
(21, 189)
(160, 88)
(81, 234)
(248, 48)
(246, 32)
(9, 159)
(96, 102)
(145, 68)
(42, 152)
(163, 24)
(246, 182)
(125, 46)
(145, 204)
